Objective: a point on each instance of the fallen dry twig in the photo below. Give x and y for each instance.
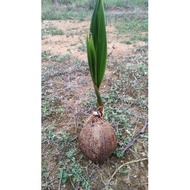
(113, 47)
(131, 162)
(135, 138)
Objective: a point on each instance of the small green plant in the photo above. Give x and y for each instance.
(45, 55)
(140, 38)
(70, 169)
(47, 110)
(126, 42)
(55, 12)
(52, 31)
(82, 47)
(134, 25)
(59, 110)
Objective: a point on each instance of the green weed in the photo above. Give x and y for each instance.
(47, 110)
(126, 42)
(75, 9)
(70, 169)
(74, 44)
(139, 38)
(82, 47)
(60, 13)
(48, 56)
(133, 25)
(52, 31)
(59, 110)
(45, 55)
(126, 3)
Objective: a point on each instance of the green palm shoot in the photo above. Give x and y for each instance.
(97, 49)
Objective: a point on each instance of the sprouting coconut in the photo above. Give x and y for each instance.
(97, 139)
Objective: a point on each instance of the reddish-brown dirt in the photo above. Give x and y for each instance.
(74, 39)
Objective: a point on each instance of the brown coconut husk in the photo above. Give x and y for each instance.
(97, 139)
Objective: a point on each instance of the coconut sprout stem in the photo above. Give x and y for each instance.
(127, 163)
(99, 99)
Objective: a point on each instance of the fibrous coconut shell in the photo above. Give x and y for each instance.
(97, 139)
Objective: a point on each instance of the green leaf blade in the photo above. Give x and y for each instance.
(102, 45)
(98, 30)
(92, 60)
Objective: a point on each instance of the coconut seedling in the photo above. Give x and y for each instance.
(97, 140)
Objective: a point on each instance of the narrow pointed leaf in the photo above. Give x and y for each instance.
(92, 60)
(98, 31)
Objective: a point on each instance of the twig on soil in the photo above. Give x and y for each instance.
(131, 162)
(59, 188)
(73, 139)
(135, 138)
(102, 178)
(113, 47)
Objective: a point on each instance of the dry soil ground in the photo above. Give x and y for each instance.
(68, 99)
(74, 39)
